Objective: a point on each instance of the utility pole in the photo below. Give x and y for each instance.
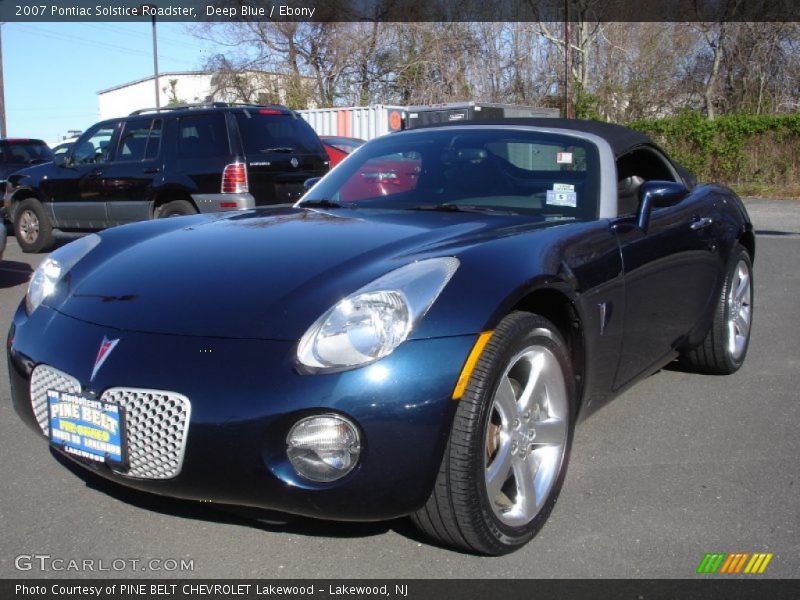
(2, 89)
(155, 61)
(567, 62)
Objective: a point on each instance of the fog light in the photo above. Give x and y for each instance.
(323, 448)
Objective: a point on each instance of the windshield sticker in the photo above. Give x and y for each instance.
(564, 158)
(555, 198)
(563, 187)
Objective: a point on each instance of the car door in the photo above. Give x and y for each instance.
(127, 180)
(75, 188)
(671, 269)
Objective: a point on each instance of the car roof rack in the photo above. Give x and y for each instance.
(202, 105)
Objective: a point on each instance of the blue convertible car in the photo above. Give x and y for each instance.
(417, 336)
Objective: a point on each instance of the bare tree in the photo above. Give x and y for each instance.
(621, 71)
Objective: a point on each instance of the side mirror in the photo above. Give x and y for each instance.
(60, 160)
(309, 183)
(657, 194)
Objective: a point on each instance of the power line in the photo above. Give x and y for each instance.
(49, 33)
(140, 34)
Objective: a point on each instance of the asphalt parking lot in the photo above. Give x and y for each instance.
(679, 466)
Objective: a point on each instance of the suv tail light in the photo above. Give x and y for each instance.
(234, 179)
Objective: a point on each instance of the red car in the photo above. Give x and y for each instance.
(382, 176)
(338, 147)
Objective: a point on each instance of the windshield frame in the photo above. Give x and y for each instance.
(597, 153)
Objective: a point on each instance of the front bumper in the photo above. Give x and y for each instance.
(245, 396)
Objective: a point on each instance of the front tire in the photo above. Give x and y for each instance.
(32, 228)
(506, 458)
(725, 346)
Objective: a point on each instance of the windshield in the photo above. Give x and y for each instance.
(276, 133)
(24, 153)
(486, 169)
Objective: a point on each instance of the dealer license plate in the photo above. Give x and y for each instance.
(86, 427)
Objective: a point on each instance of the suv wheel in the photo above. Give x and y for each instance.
(32, 227)
(176, 208)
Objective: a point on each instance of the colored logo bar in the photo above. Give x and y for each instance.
(734, 563)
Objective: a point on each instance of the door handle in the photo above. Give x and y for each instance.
(96, 173)
(701, 223)
(151, 170)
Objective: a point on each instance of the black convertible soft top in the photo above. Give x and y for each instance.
(621, 139)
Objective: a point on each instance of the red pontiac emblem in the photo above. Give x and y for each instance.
(105, 349)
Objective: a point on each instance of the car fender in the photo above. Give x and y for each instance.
(529, 288)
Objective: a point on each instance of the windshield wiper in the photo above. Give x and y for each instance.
(466, 208)
(283, 149)
(322, 203)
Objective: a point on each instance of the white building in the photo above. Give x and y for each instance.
(190, 87)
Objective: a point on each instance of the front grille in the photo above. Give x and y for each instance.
(156, 422)
(47, 378)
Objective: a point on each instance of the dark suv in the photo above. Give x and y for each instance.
(175, 161)
(17, 153)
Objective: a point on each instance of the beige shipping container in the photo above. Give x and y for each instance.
(364, 122)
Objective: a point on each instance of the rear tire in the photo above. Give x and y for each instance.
(32, 228)
(175, 208)
(725, 346)
(506, 458)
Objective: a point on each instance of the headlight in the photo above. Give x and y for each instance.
(53, 268)
(370, 323)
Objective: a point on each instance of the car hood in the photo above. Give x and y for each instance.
(261, 274)
(22, 172)
(6, 170)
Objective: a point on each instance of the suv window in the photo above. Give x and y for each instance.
(266, 133)
(154, 140)
(140, 140)
(202, 136)
(133, 140)
(24, 152)
(95, 145)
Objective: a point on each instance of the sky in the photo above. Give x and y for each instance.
(53, 71)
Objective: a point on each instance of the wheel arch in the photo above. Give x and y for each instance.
(558, 306)
(748, 239)
(165, 195)
(20, 194)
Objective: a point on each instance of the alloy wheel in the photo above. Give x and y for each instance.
(29, 226)
(526, 435)
(740, 311)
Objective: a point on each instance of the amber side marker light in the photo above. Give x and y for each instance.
(469, 366)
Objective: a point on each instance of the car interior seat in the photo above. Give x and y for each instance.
(628, 195)
(472, 173)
